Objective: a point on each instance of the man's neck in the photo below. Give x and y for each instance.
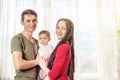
(28, 35)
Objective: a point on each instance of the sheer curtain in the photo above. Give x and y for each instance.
(96, 24)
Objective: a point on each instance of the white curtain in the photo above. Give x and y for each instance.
(96, 25)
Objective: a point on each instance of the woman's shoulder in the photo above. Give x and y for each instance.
(62, 49)
(64, 45)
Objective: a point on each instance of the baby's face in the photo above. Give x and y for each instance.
(43, 39)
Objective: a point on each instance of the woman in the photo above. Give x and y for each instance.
(61, 62)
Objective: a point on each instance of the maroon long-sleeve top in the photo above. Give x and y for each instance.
(61, 63)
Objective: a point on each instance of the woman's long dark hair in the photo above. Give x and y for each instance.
(69, 37)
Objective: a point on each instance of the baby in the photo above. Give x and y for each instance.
(45, 49)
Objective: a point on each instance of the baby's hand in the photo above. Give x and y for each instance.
(46, 58)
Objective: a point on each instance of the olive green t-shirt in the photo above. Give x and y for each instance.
(29, 51)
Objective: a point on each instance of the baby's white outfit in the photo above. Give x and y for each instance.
(45, 50)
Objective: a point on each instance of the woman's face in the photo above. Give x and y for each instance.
(60, 29)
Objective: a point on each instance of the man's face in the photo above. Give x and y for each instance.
(29, 22)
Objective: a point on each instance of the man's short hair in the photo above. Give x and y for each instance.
(28, 11)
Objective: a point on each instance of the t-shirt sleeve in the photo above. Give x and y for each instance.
(59, 60)
(16, 44)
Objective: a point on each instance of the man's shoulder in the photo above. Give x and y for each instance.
(18, 38)
(17, 35)
(35, 39)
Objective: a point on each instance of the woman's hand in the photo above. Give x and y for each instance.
(42, 74)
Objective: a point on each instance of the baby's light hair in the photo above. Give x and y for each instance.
(44, 32)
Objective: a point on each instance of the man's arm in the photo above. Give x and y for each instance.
(20, 63)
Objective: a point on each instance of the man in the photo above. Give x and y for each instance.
(24, 48)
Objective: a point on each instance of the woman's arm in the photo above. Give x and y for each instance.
(59, 60)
